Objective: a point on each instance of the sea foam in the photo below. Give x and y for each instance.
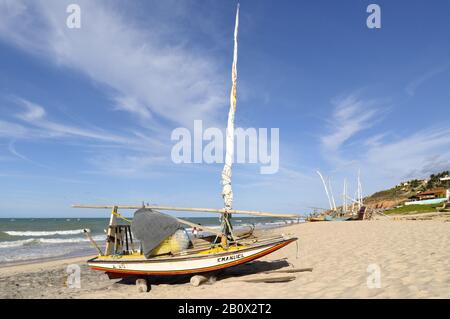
(37, 241)
(43, 233)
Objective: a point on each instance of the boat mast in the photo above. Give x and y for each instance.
(227, 192)
(326, 190)
(344, 199)
(359, 190)
(331, 192)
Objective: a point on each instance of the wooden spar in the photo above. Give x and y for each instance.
(112, 222)
(88, 235)
(126, 239)
(290, 270)
(268, 279)
(190, 209)
(261, 278)
(131, 238)
(218, 233)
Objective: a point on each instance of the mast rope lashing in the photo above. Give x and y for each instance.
(120, 216)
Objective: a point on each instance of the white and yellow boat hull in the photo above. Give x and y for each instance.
(203, 261)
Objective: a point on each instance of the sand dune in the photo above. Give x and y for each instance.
(413, 258)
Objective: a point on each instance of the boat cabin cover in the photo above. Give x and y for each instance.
(152, 228)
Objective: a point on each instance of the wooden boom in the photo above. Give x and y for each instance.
(190, 209)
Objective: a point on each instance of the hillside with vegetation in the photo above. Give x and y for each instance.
(399, 194)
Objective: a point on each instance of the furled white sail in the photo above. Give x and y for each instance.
(227, 191)
(331, 192)
(326, 190)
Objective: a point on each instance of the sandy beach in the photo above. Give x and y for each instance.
(413, 258)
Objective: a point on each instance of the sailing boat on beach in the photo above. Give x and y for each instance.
(165, 248)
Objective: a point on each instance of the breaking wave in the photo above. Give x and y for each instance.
(43, 233)
(37, 241)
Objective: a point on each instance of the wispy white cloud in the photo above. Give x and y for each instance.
(108, 153)
(131, 105)
(375, 140)
(33, 112)
(351, 115)
(384, 157)
(157, 75)
(12, 150)
(136, 165)
(35, 116)
(411, 154)
(149, 74)
(412, 87)
(12, 130)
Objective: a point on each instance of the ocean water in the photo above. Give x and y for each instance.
(27, 239)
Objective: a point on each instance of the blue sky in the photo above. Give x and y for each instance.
(86, 114)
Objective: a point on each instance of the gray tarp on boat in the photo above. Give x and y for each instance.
(152, 227)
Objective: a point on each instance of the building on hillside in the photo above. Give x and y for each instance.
(413, 183)
(432, 196)
(446, 178)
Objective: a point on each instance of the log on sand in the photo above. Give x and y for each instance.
(267, 277)
(197, 280)
(142, 285)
